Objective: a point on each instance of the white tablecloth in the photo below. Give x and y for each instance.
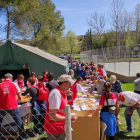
(24, 110)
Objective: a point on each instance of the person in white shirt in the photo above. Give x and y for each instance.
(55, 119)
(132, 102)
(104, 72)
(77, 88)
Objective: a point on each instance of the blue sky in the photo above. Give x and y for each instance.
(76, 12)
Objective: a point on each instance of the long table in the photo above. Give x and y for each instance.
(24, 110)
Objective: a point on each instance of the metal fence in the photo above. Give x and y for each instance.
(28, 124)
(112, 56)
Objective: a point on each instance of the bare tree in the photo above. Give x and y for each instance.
(98, 23)
(125, 27)
(137, 22)
(116, 15)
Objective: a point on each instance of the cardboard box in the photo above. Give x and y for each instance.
(86, 128)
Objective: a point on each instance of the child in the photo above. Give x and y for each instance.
(41, 84)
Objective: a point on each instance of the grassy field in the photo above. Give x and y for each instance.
(77, 57)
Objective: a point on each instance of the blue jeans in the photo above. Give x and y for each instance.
(128, 118)
(75, 74)
(16, 117)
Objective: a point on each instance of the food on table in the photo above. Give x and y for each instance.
(96, 105)
(79, 94)
(25, 98)
(92, 102)
(90, 106)
(91, 96)
(80, 103)
(97, 96)
(86, 102)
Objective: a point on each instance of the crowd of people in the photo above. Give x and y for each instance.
(50, 96)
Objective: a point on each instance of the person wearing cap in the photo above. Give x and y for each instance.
(132, 102)
(8, 103)
(101, 72)
(137, 84)
(55, 119)
(98, 84)
(86, 74)
(116, 85)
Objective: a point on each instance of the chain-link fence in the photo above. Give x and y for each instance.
(27, 122)
(120, 59)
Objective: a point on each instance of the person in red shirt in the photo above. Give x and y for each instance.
(108, 99)
(8, 103)
(77, 88)
(55, 119)
(101, 72)
(45, 76)
(41, 84)
(20, 80)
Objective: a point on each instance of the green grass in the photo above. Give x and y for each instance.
(127, 86)
(77, 57)
(136, 126)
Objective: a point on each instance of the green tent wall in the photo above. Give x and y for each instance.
(36, 59)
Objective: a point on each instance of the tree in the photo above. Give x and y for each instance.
(40, 21)
(137, 22)
(116, 16)
(72, 40)
(88, 41)
(6, 9)
(97, 23)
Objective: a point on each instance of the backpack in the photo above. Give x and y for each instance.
(42, 94)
